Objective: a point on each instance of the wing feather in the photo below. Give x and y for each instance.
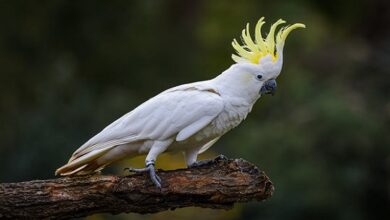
(180, 111)
(193, 128)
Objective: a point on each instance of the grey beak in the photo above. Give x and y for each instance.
(269, 87)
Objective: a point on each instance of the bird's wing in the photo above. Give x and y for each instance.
(178, 113)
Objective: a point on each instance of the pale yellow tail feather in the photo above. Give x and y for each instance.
(91, 168)
(96, 147)
(68, 172)
(77, 164)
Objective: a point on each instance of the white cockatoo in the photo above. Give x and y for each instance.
(190, 117)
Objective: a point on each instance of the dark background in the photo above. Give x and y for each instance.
(69, 68)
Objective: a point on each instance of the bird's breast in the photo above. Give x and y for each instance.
(228, 119)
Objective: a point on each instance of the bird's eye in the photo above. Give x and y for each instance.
(259, 76)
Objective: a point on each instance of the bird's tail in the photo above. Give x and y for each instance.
(84, 164)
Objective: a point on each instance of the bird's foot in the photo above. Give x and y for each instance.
(200, 163)
(220, 157)
(152, 173)
(207, 162)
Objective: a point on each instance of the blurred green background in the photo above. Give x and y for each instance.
(69, 68)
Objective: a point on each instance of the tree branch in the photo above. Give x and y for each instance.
(218, 184)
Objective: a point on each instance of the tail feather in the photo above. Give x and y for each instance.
(94, 148)
(93, 158)
(68, 172)
(83, 163)
(91, 168)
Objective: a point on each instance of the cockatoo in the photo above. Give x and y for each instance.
(190, 117)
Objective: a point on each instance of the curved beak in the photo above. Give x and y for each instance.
(269, 87)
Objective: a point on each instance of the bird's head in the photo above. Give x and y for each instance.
(259, 61)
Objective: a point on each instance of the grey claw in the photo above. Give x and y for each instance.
(135, 170)
(155, 179)
(152, 173)
(158, 178)
(221, 157)
(200, 163)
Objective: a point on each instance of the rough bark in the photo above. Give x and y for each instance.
(218, 184)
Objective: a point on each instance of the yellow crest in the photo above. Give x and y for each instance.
(252, 51)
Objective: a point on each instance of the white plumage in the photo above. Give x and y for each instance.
(188, 118)
(184, 118)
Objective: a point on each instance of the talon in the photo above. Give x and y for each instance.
(158, 178)
(155, 180)
(200, 163)
(136, 170)
(152, 173)
(221, 157)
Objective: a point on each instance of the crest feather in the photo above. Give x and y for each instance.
(253, 50)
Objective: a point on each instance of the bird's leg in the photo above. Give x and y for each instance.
(191, 156)
(152, 172)
(157, 148)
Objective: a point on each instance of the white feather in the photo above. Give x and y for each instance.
(191, 116)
